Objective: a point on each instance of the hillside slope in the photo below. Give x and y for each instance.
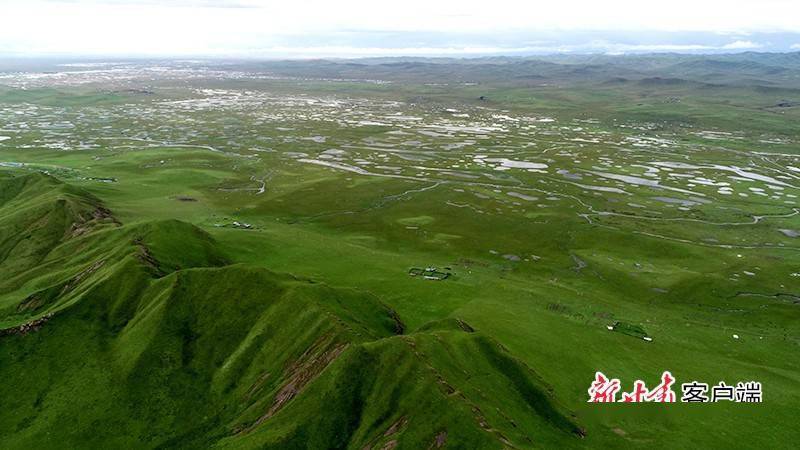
(143, 336)
(37, 212)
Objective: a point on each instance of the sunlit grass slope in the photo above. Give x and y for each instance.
(144, 336)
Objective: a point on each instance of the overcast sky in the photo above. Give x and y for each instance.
(310, 28)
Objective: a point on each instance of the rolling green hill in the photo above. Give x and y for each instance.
(143, 336)
(233, 253)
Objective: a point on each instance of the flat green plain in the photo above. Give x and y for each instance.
(224, 261)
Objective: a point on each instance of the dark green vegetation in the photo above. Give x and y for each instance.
(150, 338)
(220, 253)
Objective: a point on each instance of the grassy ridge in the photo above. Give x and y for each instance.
(542, 262)
(142, 335)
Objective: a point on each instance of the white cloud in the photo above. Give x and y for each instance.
(346, 51)
(172, 3)
(351, 51)
(220, 26)
(742, 45)
(795, 46)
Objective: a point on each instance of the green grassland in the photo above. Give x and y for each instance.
(224, 262)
